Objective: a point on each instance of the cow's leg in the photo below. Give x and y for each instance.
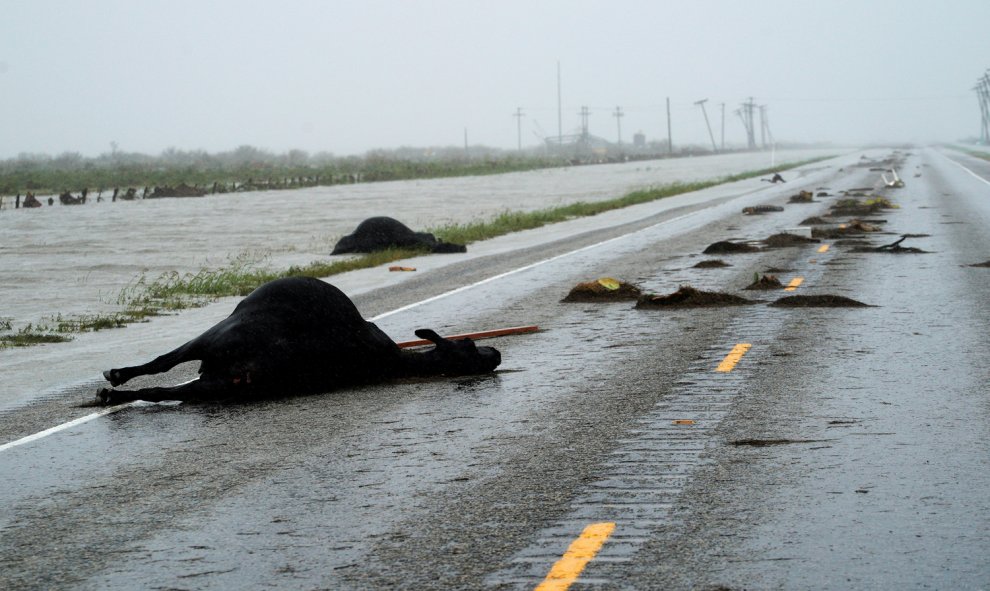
(202, 388)
(160, 364)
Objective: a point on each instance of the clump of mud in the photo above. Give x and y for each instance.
(784, 239)
(855, 207)
(726, 247)
(605, 289)
(852, 227)
(766, 282)
(983, 264)
(815, 221)
(761, 209)
(712, 264)
(819, 301)
(689, 297)
(852, 242)
(802, 197)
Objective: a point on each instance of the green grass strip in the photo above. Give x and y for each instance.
(514, 221)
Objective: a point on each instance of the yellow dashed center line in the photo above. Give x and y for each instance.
(730, 361)
(578, 555)
(823, 248)
(794, 284)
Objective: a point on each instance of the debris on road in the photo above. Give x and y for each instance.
(761, 209)
(474, 336)
(689, 297)
(851, 227)
(893, 248)
(819, 301)
(856, 207)
(605, 289)
(711, 264)
(726, 247)
(785, 239)
(766, 282)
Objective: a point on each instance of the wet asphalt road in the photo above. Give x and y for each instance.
(877, 477)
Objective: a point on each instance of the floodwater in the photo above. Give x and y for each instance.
(77, 260)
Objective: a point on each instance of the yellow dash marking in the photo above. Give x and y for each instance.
(823, 248)
(578, 555)
(730, 361)
(794, 284)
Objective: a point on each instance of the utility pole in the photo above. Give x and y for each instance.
(745, 113)
(723, 128)
(618, 123)
(982, 89)
(707, 124)
(763, 126)
(986, 107)
(518, 115)
(585, 113)
(670, 137)
(983, 112)
(560, 120)
(465, 142)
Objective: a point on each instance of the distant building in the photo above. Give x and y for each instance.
(639, 139)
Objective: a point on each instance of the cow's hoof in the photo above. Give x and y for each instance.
(112, 376)
(104, 397)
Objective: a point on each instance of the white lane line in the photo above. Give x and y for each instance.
(528, 267)
(114, 409)
(64, 426)
(978, 177)
(496, 277)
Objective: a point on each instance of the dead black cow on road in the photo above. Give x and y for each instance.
(380, 233)
(297, 335)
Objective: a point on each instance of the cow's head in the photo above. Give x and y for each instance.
(454, 358)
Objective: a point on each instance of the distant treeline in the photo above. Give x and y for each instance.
(249, 168)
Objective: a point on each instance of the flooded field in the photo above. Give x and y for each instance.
(76, 260)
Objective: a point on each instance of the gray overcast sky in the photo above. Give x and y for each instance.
(346, 77)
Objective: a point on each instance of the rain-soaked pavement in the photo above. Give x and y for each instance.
(846, 450)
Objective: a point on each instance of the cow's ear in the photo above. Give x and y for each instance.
(430, 335)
